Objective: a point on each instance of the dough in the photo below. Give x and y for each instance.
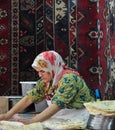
(13, 125)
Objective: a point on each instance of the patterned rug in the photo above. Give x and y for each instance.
(23, 22)
(83, 32)
(94, 43)
(4, 47)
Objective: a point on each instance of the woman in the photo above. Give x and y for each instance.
(63, 88)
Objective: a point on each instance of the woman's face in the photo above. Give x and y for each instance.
(45, 76)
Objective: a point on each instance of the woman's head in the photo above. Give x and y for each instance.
(49, 62)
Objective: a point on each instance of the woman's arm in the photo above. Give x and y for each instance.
(46, 114)
(21, 105)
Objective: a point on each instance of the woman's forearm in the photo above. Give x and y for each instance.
(21, 105)
(46, 114)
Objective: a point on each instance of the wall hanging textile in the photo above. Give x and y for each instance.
(83, 32)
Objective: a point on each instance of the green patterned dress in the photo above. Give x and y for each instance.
(71, 92)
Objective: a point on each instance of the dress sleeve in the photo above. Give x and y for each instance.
(66, 91)
(37, 94)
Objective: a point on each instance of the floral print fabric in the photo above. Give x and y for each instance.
(72, 92)
(50, 61)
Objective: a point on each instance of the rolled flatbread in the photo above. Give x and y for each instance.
(106, 107)
(61, 124)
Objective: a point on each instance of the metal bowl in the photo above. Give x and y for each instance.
(100, 122)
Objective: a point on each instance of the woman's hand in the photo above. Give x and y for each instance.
(21, 105)
(24, 121)
(3, 116)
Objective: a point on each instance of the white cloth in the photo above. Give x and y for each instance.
(72, 114)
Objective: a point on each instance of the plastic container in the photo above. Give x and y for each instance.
(26, 86)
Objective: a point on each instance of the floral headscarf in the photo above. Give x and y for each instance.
(50, 61)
